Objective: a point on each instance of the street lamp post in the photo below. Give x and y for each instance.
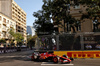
(57, 42)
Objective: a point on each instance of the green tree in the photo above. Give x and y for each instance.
(11, 36)
(93, 7)
(31, 40)
(19, 38)
(2, 41)
(59, 10)
(93, 11)
(41, 24)
(15, 36)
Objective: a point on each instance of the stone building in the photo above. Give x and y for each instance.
(12, 15)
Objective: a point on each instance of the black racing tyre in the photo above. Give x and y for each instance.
(55, 60)
(68, 62)
(71, 59)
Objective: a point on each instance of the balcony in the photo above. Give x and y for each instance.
(4, 29)
(11, 26)
(4, 23)
(5, 37)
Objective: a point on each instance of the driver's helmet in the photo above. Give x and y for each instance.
(64, 55)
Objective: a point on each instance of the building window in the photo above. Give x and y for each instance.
(4, 34)
(16, 10)
(7, 21)
(0, 18)
(0, 25)
(4, 20)
(19, 12)
(18, 16)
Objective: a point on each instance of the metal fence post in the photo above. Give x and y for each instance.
(37, 44)
(57, 44)
(82, 42)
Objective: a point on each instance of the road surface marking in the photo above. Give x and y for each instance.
(36, 63)
(50, 63)
(12, 56)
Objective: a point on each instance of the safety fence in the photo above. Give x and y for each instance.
(79, 54)
(66, 41)
(12, 49)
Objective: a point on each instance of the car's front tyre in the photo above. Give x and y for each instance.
(55, 60)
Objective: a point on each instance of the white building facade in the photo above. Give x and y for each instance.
(6, 24)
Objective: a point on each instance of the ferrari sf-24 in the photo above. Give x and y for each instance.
(50, 57)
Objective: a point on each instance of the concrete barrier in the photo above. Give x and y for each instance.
(11, 49)
(79, 54)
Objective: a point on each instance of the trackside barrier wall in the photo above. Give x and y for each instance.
(11, 49)
(79, 54)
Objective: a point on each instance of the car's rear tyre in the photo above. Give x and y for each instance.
(55, 60)
(71, 59)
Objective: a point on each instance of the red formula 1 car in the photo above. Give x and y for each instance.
(50, 57)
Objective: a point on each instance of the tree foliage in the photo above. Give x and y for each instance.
(2, 41)
(59, 10)
(42, 24)
(93, 7)
(31, 40)
(11, 33)
(19, 38)
(16, 36)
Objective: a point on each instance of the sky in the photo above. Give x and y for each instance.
(30, 6)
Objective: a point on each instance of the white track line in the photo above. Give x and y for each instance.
(44, 63)
(57, 64)
(16, 56)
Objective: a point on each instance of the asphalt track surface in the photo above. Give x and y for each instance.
(23, 59)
